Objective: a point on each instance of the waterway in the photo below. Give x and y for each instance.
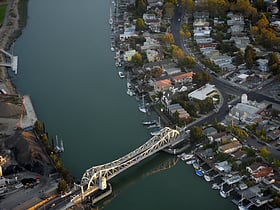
(66, 65)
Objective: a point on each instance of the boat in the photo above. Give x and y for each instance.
(192, 161)
(130, 92)
(142, 107)
(155, 133)
(196, 165)
(215, 186)
(207, 178)
(121, 74)
(223, 194)
(149, 122)
(199, 172)
(187, 157)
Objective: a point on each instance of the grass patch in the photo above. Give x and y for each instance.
(2, 13)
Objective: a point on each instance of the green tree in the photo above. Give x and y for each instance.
(168, 39)
(249, 56)
(137, 59)
(62, 186)
(264, 152)
(141, 7)
(274, 63)
(140, 25)
(196, 134)
(177, 52)
(188, 5)
(169, 9)
(184, 31)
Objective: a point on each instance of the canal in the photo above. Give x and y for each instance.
(66, 65)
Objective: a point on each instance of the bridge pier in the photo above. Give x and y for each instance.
(14, 61)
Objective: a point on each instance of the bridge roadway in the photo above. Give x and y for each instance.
(94, 177)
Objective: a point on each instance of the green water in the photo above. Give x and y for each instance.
(66, 65)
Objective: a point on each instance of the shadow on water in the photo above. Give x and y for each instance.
(155, 164)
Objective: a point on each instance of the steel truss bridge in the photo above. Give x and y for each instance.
(94, 176)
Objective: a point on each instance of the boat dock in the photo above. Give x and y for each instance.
(28, 117)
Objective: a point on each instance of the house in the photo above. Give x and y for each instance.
(171, 69)
(274, 134)
(183, 77)
(217, 137)
(239, 154)
(262, 64)
(177, 108)
(152, 55)
(162, 85)
(255, 167)
(128, 55)
(203, 92)
(224, 166)
(230, 147)
(150, 44)
(261, 174)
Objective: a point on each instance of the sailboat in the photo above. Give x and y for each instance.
(142, 107)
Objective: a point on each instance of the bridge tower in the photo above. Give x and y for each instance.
(102, 183)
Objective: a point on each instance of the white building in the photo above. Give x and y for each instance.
(203, 92)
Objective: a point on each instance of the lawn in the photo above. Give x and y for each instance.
(2, 13)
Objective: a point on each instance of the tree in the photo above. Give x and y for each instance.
(218, 7)
(184, 31)
(273, 63)
(140, 25)
(177, 52)
(264, 152)
(137, 59)
(196, 134)
(62, 186)
(141, 7)
(169, 9)
(238, 59)
(249, 56)
(186, 62)
(188, 5)
(168, 39)
(262, 22)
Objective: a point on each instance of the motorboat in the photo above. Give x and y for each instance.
(199, 172)
(187, 157)
(207, 178)
(192, 161)
(121, 74)
(149, 122)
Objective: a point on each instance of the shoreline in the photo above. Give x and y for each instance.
(14, 22)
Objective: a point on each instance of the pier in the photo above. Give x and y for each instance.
(13, 61)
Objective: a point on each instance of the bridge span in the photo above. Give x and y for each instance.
(96, 177)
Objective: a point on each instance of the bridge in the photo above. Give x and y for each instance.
(14, 61)
(96, 177)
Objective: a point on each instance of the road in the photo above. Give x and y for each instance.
(225, 87)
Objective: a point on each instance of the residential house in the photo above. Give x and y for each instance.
(150, 44)
(177, 108)
(152, 21)
(224, 166)
(261, 174)
(239, 154)
(262, 64)
(128, 55)
(162, 85)
(255, 167)
(274, 134)
(183, 77)
(170, 68)
(152, 55)
(230, 147)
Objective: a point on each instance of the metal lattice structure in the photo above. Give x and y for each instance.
(93, 175)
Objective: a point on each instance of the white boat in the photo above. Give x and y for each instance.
(215, 186)
(121, 74)
(187, 157)
(207, 178)
(192, 161)
(155, 133)
(223, 194)
(196, 165)
(130, 92)
(142, 107)
(149, 122)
